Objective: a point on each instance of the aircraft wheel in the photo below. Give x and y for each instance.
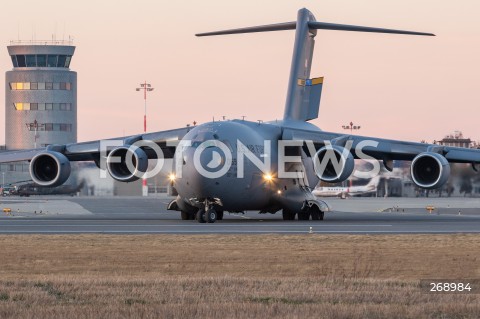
(220, 215)
(322, 214)
(201, 216)
(304, 215)
(211, 216)
(315, 213)
(288, 215)
(185, 215)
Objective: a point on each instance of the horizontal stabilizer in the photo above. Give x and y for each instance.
(261, 28)
(312, 25)
(346, 27)
(303, 94)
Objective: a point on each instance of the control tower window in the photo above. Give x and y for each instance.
(52, 61)
(61, 61)
(31, 60)
(14, 61)
(41, 60)
(40, 86)
(21, 106)
(21, 61)
(67, 61)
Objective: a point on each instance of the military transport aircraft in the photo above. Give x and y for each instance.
(285, 159)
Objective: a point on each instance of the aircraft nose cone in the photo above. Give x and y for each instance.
(205, 171)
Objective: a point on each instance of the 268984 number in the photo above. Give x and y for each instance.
(450, 287)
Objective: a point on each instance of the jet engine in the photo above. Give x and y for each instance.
(344, 164)
(49, 168)
(127, 163)
(430, 170)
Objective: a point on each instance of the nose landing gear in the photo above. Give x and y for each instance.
(208, 214)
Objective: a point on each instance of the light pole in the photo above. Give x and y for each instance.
(146, 87)
(351, 127)
(34, 126)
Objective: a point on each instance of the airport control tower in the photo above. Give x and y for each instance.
(40, 95)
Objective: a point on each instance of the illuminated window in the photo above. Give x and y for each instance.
(40, 86)
(22, 106)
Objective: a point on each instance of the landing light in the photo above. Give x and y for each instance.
(172, 177)
(268, 177)
(279, 192)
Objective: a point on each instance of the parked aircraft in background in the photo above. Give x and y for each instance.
(238, 150)
(30, 189)
(343, 192)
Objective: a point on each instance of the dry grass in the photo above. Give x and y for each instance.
(173, 276)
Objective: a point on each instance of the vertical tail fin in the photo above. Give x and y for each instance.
(298, 106)
(303, 95)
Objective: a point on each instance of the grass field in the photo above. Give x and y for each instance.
(214, 276)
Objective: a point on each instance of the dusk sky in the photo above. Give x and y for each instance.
(394, 86)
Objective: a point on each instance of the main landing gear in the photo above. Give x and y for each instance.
(314, 212)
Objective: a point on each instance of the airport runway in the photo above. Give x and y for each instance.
(123, 215)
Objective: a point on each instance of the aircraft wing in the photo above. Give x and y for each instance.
(386, 149)
(90, 151)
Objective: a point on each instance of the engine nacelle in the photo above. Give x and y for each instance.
(49, 168)
(343, 160)
(430, 170)
(121, 158)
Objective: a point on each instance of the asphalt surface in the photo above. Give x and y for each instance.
(134, 215)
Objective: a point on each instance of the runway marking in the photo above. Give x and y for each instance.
(236, 232)
(171, 226)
